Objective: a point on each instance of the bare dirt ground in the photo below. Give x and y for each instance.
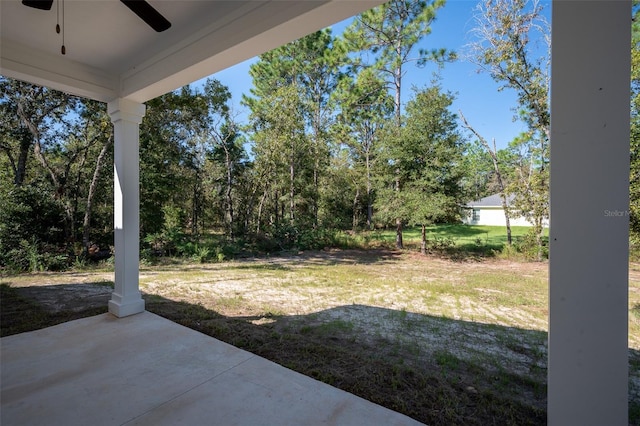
(442, 341)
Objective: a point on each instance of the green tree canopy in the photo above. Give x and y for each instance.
(426, 161)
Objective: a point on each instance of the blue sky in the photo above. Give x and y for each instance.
(477, 95)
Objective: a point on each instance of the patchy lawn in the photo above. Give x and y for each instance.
(444, 342)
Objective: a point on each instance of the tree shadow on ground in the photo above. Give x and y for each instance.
(25, 309)
(389, 367)
(456, 231)
(285, 260)
(332, 257)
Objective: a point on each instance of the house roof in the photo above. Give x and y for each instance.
(494, 200)
(111, 53)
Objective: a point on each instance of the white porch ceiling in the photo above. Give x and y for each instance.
(111, 53)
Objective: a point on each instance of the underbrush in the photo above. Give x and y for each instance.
(455, 242)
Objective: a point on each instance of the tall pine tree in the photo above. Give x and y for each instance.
(389, 33)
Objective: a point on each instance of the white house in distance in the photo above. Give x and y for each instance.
(488, 211)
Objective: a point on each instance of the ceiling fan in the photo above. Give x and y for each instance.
(144, 10)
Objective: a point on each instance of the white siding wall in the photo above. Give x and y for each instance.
(492, 216)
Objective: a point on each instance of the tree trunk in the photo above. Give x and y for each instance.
(273, 219)
(354, 222)
(260, 205)
(228, 192)
(505, 205)
(86, 223)
(249, 210)
(423, 241)
(496, 168)
(397, 81)
(398, 107)
(195, 204)
(316, 193)
(503, 195)
(399, 244)
(23, 155)
(539, 231)
(79, 179)
(70, 225)
(316, 168)
(369, 201)
(291, 190)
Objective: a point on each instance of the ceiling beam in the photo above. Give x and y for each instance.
(53, 71)
(194, 59)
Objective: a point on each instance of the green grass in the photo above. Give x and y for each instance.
(446, 360)
(467, 238)
(461, 234)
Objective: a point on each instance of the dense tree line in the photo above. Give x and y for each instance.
(328, 146)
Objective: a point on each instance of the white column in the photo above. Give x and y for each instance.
(126, 117)
(589, 252)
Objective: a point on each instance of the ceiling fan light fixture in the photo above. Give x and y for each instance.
(144, 10)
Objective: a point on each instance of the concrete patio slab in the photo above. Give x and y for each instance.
(147, 370)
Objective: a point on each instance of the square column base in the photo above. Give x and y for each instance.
(125, 309)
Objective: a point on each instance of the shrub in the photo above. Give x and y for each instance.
(201, 254)
(440, 244)
(316, 239)
(32, 256)
(31, 230)
(508, 252)
(528, 246)
(171, 240)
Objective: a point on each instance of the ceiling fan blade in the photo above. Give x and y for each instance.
(39, 4)
(148, 14)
